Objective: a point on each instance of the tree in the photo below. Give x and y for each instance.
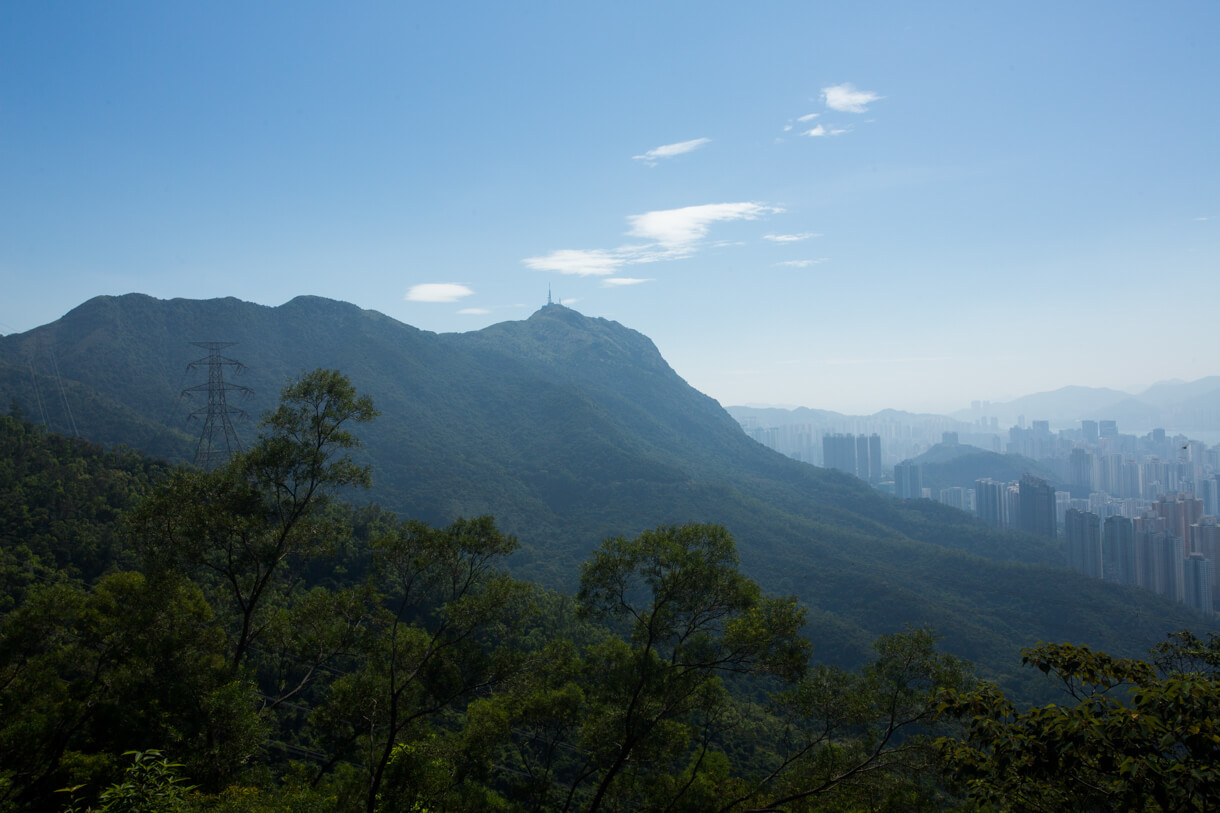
(151, 782)
(688, 616)
(245, 525)
(862, 733)
(669, 709)
(88, 674)
(445, 606)
(1136, 735)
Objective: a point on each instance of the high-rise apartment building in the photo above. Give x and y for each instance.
(1209, 493)
(1118, 559)
(990, 499)
(854, 454)
(862, 457)
(1179, 511)
(957, 497)
(1080, 468)
(1037, 506)
(1205, 539)
(907, 482)
(1084, 549)
(1089, 430)
(1159, 560)
(1198, 578)
(839, 452)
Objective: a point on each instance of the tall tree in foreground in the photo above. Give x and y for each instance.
(247, 526)
(858, 739)
(696, 697)
(1134, 735)
(446, 607)
(688, 617)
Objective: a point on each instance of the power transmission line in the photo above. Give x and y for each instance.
(42, 411)
(63, 395)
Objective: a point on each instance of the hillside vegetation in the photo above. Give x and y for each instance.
(569, 430)
(237, 640)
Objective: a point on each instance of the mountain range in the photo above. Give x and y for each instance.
(1178, 406)
(569, 429)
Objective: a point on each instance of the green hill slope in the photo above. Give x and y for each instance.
(946, 465)
(569, 429)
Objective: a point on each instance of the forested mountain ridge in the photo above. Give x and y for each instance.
(60, 501)
(241, 643)
(945, 465)
(569, 429)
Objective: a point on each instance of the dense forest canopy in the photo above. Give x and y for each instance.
(238, 640)
(569, 430)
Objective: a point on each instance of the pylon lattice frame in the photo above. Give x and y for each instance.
(217, 415)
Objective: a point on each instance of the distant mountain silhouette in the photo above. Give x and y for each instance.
(569, 429)
(1174, 405)
(956, 464)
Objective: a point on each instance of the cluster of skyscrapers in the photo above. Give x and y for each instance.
(1171, 550)
(855, 454)
(1131, 510)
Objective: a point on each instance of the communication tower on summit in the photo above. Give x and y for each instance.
(218, 440)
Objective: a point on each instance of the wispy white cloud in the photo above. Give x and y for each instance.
(821, 130)
(787, 128)
(790, 238)
(475, 311)
(677, 229)
(846, 99)
(671, 234)
(577, 261)
(617, 282)
(670, 150)
(437, 292)
(808, 117)
(802, 263)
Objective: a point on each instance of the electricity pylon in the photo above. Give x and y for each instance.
(217, 415)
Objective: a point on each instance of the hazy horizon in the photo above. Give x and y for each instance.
(841, 207)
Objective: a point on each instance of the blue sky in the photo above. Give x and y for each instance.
(846, 206)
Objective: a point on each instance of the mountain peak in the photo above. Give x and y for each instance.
(562, 313)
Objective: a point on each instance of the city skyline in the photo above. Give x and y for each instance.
(835, 207)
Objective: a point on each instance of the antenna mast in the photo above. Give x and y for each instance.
(217, 415)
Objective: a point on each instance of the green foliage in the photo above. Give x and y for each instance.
(291, 653)
(842, 738)
(571, 429)
(690, 616)
(945, 466)
(249, 526)
(59, 502)
(295, 459)
(432, 643)
(1134, 737)
(150, 783)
